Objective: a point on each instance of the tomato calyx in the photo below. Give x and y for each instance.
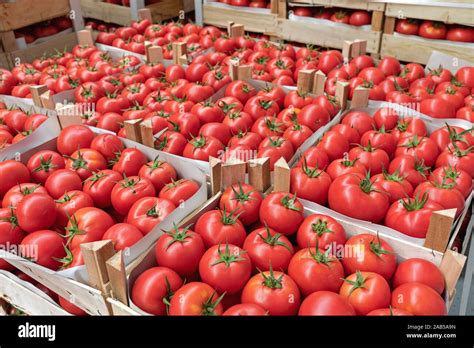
(198, 142)
(458, 152)
(311, 173)
(66, 260)
(234, 115)
(377, 248)
(395, 176)
(320, 227)
(13, 220)
(169, 295)
(270, 281)
(246, 88)
(177, 235)
(277, 142)
(451, 173)
(227, 257)
(413, 142)
(174, 183)
(79, 162)
(226, 107)
(346, 162)
(209, 306)
(265, 104)
(359, 283)
(157, 164)
(95, 177)
(72, 231)
(455, 136)
(129, 183)
(273, 240)
(241, 195)
(421, 168)
(366, 185)
(66, 198)
(273, 125)
(231, 217)
(369, 147)
(416, 203)
(289, 203)
(340, 14)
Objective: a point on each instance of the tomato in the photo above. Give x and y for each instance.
(438, 108)
(420, 271)
(48, 246)
(238, 121)
(297, 100)
(36, 211)
(316, 271)
(418, 299)
(129, 190)
(297, 134)
(68, 204)
(15, 120)
(43, 163)
(334, 145)
(73, 138)
(202, 147)
(260, 106)
(171, 142)
(432, 30)
(411, 216)
(266, 248)
(460, 33)
(359, 18)
(419, 147)
(108, 145)
(366, 291)
(196, 298)
(313, 116)
(359, 120)
(7, 81)
(244, 200)
(282, 212)
(240, 90)
(226, 268)
(87, 225)
(448, 134)
(88, 92)
(412, 72)
(466, 113)
(340, 17)
(465, 76)
(158, 172)
(462, 159)
(275, 292)
(372, 74)
(99, 187)
(448, 175)
(154, 288)
(216, 227)
(373, 157)
(62, 181)
(310, 183)
(328, 61)
(112, 103)
(129, 161)
(123, 235)
(394, 184)
(326, 303)
(355, 196)
(11, 174)
(409, 167)
(360, 62)
(10, 233)
(444, 194)
(86, 161)
(180, 249)
(389, 66)
(389, 312)
(245, 309)
(440, 75)
(407, 26)
(148, 212)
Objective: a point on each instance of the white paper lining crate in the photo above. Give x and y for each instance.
(123, 15)
(417, 49)
(254, 19)
(352, 4)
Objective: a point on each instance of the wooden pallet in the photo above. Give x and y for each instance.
(254, 21)
(353, 4)
(111, 13)
(21, 13)
(415, 49)
(325, 35)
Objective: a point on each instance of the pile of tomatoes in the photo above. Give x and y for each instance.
(44, 29)
(337, 15)
(388, 169)
(260, 255)
(89, 188)
(435, 30)
(17, 124)
(248, 3)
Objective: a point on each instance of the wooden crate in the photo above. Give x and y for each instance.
(21, 13)
(326, 35)
(415, 49)
(353, 4)
(5, 61)
(111, 13)
(254, 21)
(458, 11)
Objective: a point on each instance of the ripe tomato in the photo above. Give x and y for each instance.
(86, 161)
(444, 194)
(411, 216)
(73, 138)
(244, 200)
(316, 270)
(108, 145)
(216, 227)
(129, 161)
(359, 120)
(340, 17)
(418, 299)
(334, 145)
(266, 248)
(326, 303)
(369, 254)
(68, 204)
(420, 271)
(297, 100)
(422, 148)
(432, 30)
(451, 134)
(372, 157)
(226, 268)
(48, 246)
(202, 147)
(351, 134)
(148, 212)
(275, 292)
(158, 172)
(240, 90)
(153, 289)
(297, 134)
(310, 183)
(99, 187)
(123, 235)
(260, 106)
(394, 184)
(437, 108)
(341, 166)
(11, 174)
(179, 191)
(355, 190)
(36, 211)
(465, 76)
(43, 163)
(359, 18)
(461, 159)
(10, 233)
(389, 66)
(409, 167)
(379, 139)
(196, 299)
(313, 116)
(171, 142)
(238, 121)
(460, 179)
(407, 26)
(87, 225)
(180, 249)
(245, 309)
(129, 190)
(366, 291)
(16, 194)
(282, 212)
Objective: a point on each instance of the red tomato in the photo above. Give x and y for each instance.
(462, 159)
(147, 212)
(86, 161)
(366, 291)
(326, 303)
(418, 299)
(202, 147)
(43, 163)
(355, 196)
(340, 17)
(313, 116)
(216, 227)
(275, 292)
(129, 161)
(386, 118)
(158, 172)
(245, 309)
(171, 142)
(10, 233)
(334, 145)
(129, 190)
(343, 166)
(179, 191)
(68, 204)
(396, 186)
(226, 268)
(422, 148)
(373, 157)
(36, 211)
(153, 289)
(448, 134)
(389, 66)
(432, 30)
(99, 187)
(407, 26)
(411, 216)
(62, 181)
(359, 18)
(244, 200)
(16, 194)
(123, 235)
(108, 145)
(87, 225)
(465, 76)
(459, 178)
(240, 90)
(282, 212)
(444, 194)
(359, 120)
(48, 246)
(420, 271)
(196, 299)
(438, 108)
(310, 183)
(73, 138)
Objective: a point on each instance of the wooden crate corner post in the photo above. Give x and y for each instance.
(133, 130)
(319, 83)
(305, 81)
(36, 92)
(439, 230)
(281, 176)
(117, 277)
(360, 98)
(180, 53)
(451, 266)
(84, 37)
(259, 173)
(342, 93)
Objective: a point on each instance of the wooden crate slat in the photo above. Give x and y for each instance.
(419, 51)
(252, 21)
(354, 4)
(21, 13)
(327, 36)
(445, 14)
